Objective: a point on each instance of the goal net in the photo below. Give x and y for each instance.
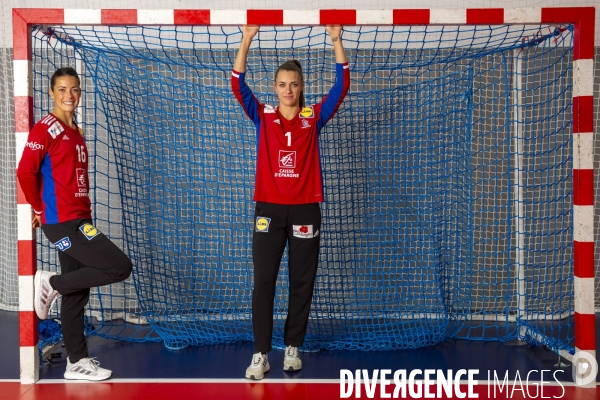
(447, 174)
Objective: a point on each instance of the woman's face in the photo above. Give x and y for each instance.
(288, 86)
(66, 93)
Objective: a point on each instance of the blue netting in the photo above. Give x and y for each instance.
(425, 235)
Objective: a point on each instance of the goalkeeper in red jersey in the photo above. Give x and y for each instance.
(288, 190)
(53, 173)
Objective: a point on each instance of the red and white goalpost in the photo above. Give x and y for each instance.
(583, 214)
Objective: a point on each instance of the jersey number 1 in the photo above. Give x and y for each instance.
(289, 136)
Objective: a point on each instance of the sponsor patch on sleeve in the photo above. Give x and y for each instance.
(262, 224)
(89, 231)
(63, 244)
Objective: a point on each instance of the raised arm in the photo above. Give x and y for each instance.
(242, 92)
(334, 98)
(248, 33)
(335, 32)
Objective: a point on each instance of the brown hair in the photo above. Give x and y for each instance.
(67, 71)
(293, 66)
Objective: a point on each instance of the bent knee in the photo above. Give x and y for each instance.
(122, 270)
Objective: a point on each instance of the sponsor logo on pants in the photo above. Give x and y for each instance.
(262, 224)
(89, 231)
(63, 244)
(304, 231)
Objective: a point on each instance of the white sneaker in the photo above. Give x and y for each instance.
(86, 369)
(44, 295)
(291, 359)
(258, 367)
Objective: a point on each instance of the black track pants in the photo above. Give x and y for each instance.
(87, 259)
(274, 226)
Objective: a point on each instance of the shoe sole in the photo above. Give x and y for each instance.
(256, 377)
(81, 377)
(291, 368)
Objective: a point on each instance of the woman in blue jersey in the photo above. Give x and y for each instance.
(53, 173)
(288, 190)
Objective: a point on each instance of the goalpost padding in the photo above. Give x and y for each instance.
(582, 18)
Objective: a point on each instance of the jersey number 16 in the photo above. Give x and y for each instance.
(81, 156)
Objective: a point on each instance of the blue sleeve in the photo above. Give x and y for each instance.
(245, 96)
(333, 100)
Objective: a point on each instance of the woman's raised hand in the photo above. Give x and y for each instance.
(249, 31)
(334, 30)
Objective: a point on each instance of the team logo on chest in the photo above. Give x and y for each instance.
(287, 159)
(55, 130)
(81, 182)
(305, 124)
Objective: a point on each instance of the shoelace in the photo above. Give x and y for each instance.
(48, 293)
(56, 296)
(92, 364)
(257, 359)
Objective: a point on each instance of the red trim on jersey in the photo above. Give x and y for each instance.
(111, 16)
(191, 17)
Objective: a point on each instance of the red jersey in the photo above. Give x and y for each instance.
(288, 167)
(53, 172)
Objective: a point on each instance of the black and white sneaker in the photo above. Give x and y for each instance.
(291, 359)
(44, 295)
(86, 369)
(258, 367)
